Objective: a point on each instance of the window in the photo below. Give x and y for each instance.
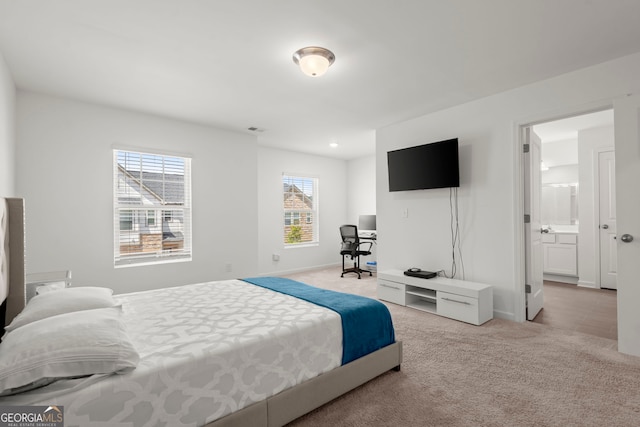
(300, 210)
(152, 208)
(126, 220)
(151, 218)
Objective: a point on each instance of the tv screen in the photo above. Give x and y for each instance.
(433, 165)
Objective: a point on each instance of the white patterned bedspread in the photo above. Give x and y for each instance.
(206, 350)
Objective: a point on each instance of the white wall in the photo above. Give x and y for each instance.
(590, 143)
(332, 195)
(562, 152)
(64, 171)
(361, 179)
(7, 131)
(490, 173)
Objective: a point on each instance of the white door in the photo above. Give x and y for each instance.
(627, 127)
(607, 215)
(533, 227)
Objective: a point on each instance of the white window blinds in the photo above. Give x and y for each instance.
(152, 208)
(300, 204)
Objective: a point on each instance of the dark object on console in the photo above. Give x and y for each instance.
(351, 247)
(416, 272)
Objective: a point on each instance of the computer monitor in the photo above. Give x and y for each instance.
(367, 223)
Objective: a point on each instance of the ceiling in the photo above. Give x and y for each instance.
(560, 137)
(563, 129)
(228, 63)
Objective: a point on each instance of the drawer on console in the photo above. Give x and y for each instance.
(391, 291)
(458, 307)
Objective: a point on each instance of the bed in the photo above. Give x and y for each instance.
(253, 352)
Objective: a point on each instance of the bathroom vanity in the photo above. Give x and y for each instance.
(560, 256)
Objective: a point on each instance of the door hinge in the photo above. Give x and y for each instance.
(525, 148)
(527, 289)
(527, 218)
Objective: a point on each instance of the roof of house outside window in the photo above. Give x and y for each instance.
(293, 193)
(169, 191)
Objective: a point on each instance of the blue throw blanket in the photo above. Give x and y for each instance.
(366, 323)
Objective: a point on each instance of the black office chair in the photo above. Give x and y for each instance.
(351, 247)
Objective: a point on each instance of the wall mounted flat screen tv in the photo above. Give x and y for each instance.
(433, 165)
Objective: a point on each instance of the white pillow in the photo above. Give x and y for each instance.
(62, 301)
(65, 346)
(50, 287)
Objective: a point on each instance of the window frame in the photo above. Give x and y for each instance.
(148, 206)
(301, 217)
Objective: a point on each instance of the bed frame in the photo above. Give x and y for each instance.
(277, 410)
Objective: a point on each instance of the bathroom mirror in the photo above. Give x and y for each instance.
(559, 204)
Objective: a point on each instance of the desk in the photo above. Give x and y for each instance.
(369, 237)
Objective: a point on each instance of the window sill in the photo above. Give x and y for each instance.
(302, 245)
(152, 262)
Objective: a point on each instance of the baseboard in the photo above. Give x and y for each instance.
(587, 284)
(299, 270)
(560, 278)
(497, 314)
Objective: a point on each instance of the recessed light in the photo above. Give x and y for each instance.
(333, 144)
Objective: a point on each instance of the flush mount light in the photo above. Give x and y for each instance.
(314, 61)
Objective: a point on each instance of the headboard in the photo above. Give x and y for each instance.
(12, 269)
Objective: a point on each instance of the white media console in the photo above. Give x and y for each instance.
(469, 302)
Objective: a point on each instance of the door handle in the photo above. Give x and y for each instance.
(627, 238)
(604, 226)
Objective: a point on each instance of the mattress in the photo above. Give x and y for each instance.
(206, 350)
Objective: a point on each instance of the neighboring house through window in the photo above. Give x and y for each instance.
(152, 208)
(300, 210)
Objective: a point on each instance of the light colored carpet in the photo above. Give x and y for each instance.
(500, 374)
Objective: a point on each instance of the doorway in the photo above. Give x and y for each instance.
(577, 204)
(586, 310)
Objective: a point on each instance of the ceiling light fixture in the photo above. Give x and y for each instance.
(314, 61)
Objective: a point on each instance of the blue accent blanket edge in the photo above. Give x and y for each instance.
(366, 323)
